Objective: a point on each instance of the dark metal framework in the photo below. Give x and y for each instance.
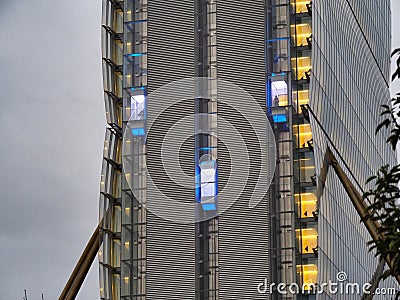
(205, 144)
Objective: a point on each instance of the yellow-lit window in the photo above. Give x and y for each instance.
(308, 240)
(127, 212)
(302, 97)
(300, 34)
(128, 14)
(106, 148)
(307, 204)
(303, 134)
(301, 67)
(300, 6)
(283, 100)
(125, 249)
(308, 274)
(279, 93)
(125, 290)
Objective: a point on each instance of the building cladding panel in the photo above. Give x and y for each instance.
(170, 41)
(349, 79)
(243, 232)
(350, 38)
(240, 49)
(170, 246)
(376, 26)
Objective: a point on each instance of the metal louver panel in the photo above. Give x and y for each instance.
(170, 246)
(170, 265)
(171, 41)
(243, 231)
(240, 46)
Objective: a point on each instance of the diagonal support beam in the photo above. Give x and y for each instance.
(81, 269)
(359, 204)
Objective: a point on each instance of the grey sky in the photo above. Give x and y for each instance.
(52, 126)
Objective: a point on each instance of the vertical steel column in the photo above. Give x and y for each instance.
(280, 110)
(206, 149)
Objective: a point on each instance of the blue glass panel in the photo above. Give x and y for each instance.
(269, 95)
(209, 206)
(278, 74)
(198, 186)
(280, 118)
(138, 131)
(136, 54)
(278, 39)
(138, 88)
(206, 148)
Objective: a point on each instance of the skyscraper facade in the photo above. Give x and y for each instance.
(230, 71)
(349, 82)
(336, 60)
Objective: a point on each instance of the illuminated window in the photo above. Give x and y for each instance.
(308, 274)
(301, 67)
(307, 204)
(303, 134)
(208, 189)
(301, 34)
(138, 107)
(300, 6)
(127, 212)
(208, 169)
(302, 97)
(279, 93)
(308, 240)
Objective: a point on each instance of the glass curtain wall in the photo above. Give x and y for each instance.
(206, 150)
(133, 236)
(122, 254)
(110, 185)
(294, 211)
(304, 163)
